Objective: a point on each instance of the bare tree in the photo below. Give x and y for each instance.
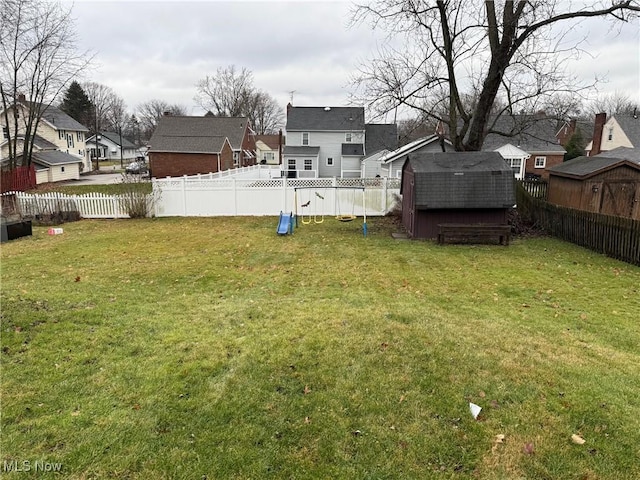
(226, 93)
(230, 93)
(616, 103)
(149, 112)
(38, 57)
(109, 108)
(494, 51)
(267, 117)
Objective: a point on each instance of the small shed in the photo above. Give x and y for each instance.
(454, 187)
(599, 184)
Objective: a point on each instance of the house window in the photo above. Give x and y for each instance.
(236, 158)
(610, 136)
(79, 136)
(308, 164)
(515, 164)
(5, 132)
(70, 141)
(62, 169)
(305, 138)
(540, 162)
(291, 163)
(329, 162)
(347, 137)
(60, 134)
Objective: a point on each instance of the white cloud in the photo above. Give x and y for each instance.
(160, 49)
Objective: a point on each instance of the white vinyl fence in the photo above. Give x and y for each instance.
(210, 197)
(214, 195)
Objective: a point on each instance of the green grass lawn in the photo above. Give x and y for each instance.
(212, 348)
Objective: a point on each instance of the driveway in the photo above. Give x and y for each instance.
(98, 179)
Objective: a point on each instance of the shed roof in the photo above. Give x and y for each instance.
(325, 118)
(585, 167)
(460, 180)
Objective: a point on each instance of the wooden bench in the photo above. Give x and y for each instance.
(474, 231)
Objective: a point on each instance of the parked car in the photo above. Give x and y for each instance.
(136, 167)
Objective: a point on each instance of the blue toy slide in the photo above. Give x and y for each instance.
(285, 225)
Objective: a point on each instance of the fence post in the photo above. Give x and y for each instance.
(184, 196)
(384, 201)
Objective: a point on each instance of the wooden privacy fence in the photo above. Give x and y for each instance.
(616, 237)
(90, 205)
(18, 179)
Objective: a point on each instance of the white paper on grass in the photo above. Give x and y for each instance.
(475, 410)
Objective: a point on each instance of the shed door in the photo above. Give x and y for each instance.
(618, 199)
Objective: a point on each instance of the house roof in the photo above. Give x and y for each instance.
(509, 151)
(353, 149)
(197, 134)
(58, 119)
(54, 157)
(380, 136)
(325, 118)
(584, 167)
(38, 141)
(630, 124)
(410, 147)
(114, 138)
(271, 141)
(530, 133)
(624, 153)
(296, 150)
(461, 180)
(44, 144)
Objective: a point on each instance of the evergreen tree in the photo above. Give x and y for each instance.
(575, 146)
(77, 104)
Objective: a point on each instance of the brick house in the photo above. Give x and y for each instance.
(182, 145)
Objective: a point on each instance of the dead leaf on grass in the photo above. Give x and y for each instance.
(306, 390)
(499, 438)
(307, 420)
(528, 449)
(77, 279)
(577, 439)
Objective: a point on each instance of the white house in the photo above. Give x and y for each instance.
(57, 132)
(112, 147)
(390, 164)
(331, 141)
(268, 149)
(515, 158)
(617, 131)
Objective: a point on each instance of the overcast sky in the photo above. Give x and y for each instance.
(306, 50)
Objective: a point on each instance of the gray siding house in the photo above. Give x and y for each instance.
(332, 141)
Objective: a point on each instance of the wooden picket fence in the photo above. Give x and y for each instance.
(616, 237)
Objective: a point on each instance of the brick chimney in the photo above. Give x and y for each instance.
(598, 126)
